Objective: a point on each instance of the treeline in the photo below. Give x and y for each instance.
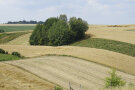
(57, 31)
(25, 22)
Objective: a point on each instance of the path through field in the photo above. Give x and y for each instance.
(62, 70)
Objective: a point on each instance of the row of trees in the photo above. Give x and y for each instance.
(58, 31)
(26, 22)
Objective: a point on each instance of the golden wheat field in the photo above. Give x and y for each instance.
(57, 74)
(124, 33)
(62, 70)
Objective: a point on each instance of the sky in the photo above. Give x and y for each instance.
(93, 11)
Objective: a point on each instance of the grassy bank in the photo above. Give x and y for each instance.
(116, 46)
(16, 28)
(6, 57)
(6, 37)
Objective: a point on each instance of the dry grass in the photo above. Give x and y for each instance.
(62, 70)
(112, 59)
(118, 32)
(12, 78)
(22, 40)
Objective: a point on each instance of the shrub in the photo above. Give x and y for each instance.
(2, 31)
(58, 88)
(114, 80)
(16, 54)
(2, 51)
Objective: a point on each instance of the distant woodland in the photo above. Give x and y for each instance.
(25, 22)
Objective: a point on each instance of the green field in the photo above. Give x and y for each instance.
(116, 46)
(16, 28)
(6, 57)
(6, 37)
(131, 30)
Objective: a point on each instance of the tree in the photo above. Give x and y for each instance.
(63, 17)
(36, 37)
(59, 34)
(79, 27)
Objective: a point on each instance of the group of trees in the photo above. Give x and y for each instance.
(58, 31)
(26, 22)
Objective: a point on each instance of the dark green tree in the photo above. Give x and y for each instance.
(79, 27)
(59, 34)
(63, 17)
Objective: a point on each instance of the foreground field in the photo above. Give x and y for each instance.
(124, 33)
(119, 61)
(62, 70)
(12, 78)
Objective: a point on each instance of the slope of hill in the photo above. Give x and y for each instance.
(114, 32)
(105, 57)
(12, 78)
(62, 70)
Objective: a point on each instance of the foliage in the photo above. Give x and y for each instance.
(59, 34)
(2, 51)
(116, 46)
(58, 88)
(58, 31)
(2, 31)
(17, 28)
(63, 17)
(79, 27)
(25, 22)
(6, 37)
(16, 54)
(6, 57)
(114, 80)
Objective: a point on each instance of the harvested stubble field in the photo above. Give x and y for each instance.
(119, 61)
(108, 58)
(118, 33)
(13, 78)
(62, 70)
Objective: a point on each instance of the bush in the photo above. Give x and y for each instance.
(3, 51)
(58, 31)
(16, 54)
(114, 80)
(58, 88)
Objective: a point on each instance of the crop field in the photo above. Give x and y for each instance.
(62, 70)
(13, 78)
(12, 28)
(110, 46)
(7, 37)
(118, 33)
